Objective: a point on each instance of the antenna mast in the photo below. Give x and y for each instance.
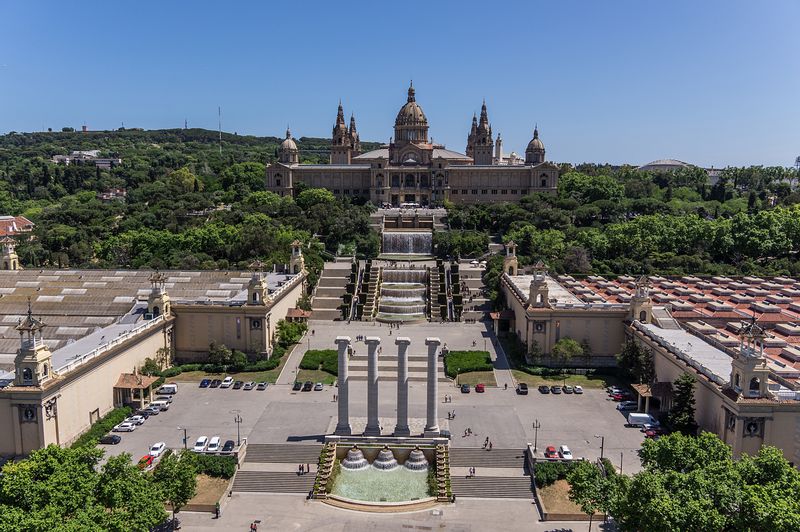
(219, 117)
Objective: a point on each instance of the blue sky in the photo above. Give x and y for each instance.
(708, 82)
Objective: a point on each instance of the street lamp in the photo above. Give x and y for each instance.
(536, 426)
(602, 444)
(238, 420)
(185, 438)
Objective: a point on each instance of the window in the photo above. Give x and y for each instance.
(504, 192)
(336, 191)
(409, 181)
(463, 190)
(379, 165)
(255, 297)
(439, 183)
(277, 181)
(27, 376)
(544, 183)
(455, 192)
(255, 324)
(365, 192)
(513, 191)
(347, 192)
(45, 370)
(494, 191)
(395, 180)
(484, 191)
(423, 181)
(475, 191)
(440, 165)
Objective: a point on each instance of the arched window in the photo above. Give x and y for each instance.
(5, 265)
(45, 370)
(255, 297)
(539, 298)
(296, 268)
(544, 183)
(643, 316)
(379, 181)
(754, 384)
(510, 270)
(27, 376)
(155, 312)
(409, 181)
(256, 324)
(736, 381)
(277, 181)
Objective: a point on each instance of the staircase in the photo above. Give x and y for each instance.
(664, 319)
(281, 453)
(473, 286)
(492, 487)
(272, 482)
(433, 291)
(474, 457)
(327, 299)
(370, 306)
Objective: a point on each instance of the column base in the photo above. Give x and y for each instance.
(372, 431)
(343, 430)
(432, 432)
(402, 431)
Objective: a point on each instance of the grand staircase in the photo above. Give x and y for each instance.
(327, 299)
(492, 487)
(272, 482)
(290, 453)
(500, 473)
(473, 457)
(250, 478)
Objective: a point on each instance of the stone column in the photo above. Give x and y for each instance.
(401, 429)
(432, 424)
(343, 425)
(373, 427)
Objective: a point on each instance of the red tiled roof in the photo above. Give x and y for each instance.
(14, 225)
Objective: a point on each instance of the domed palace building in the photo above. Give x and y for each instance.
(413, 169)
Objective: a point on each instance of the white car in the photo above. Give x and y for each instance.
(157, 449)
(136, 420)
(125, 426)
(227, 382)
(628, 405)
(564, 452)
(578, 389)
(200, 444)
(213, 445)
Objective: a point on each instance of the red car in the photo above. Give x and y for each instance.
(146, 461)
(550, 452)
(480, 388)
(653, 433)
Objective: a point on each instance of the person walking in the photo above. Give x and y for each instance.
(490, 446)
(308, 468)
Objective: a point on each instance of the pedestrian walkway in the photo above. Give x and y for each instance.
(289, 372)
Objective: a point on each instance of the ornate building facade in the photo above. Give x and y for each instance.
(413, 169)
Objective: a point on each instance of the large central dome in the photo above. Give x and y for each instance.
(411, 113)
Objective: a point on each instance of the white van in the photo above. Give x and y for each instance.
(162, 405)
(168, 389)
(637, 419)
(213, 445)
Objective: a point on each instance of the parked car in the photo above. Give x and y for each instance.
(261, 386)
(640, 419)
(152, 410)
(621, 396)
(579, 389)
(200, 444)
(162, 405)
(146, 461)
(125, 426)
(550, 452)
(564, 452)
(205, 383)
(166, 398)
(614, 390)
(228, 447)
(465, 388)
(110, 439)
(213, 445)
(138, 420)
(555, 389)
(249, 385)
(568, 389)
(143, 412)
(297, 386)
(318, 387)
(308, 386)
(168, 389)
(157, 449)
(227, 382)
(654, 433)
(627, 405)
(544, 388)
(480, 388)
(522, 388)
(238, 384)
(215, 383)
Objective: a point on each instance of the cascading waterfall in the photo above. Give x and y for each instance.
(407, 243)
(402, 295)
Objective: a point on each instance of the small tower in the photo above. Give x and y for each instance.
(341, 143)
(534, 153)
(641, 303)
(288, 152)
(355, 142)
(749, 371)
(473, 132)
(296, 262)
(498, 150)
(539, 291)
(158, 300)
(33, 363)
(483, 146)
(510, 262)
(257, 290)
(10, 258)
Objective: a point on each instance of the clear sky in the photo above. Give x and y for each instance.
(708, 82)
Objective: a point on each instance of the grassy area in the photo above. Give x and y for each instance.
(258, 376)
(324, 359)
(587, 381)
(556, 499)
(476, 377)
(466, 361)
(209, 489)
(315, 376)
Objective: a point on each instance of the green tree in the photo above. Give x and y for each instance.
(177, 481)
(219, 355)
(681, 415)
(637, 362)
(566, 349)
(313, 197)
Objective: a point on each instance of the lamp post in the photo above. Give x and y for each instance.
(185, 444)
(620, 462)
(536, 426)
(602, 444)
(238, 420)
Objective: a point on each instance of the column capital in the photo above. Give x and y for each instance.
(402, 340)
(432, 341)
(372, 340)
(342, 340)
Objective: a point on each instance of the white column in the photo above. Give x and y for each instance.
(373, 427)
(432, 423)
(343, 425)
(401, 429)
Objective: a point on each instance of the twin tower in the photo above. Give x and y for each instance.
(373, 428)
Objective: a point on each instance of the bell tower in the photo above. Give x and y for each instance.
(33, 363)
(749, 372)
(257, 289)
(10, 259)
(510, 262)
(641, 303)
(539, 291)
(341, 141)
(483, 146)
(158, 300)
(296, 262)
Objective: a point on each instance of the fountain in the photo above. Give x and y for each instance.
(355, 459)
(402, 295)
(385, 460)
(406, 245)
(416, 461)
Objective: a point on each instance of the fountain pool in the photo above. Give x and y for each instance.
(374, 485)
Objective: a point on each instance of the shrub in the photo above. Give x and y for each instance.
(171, 372)
(549, 472)
(325, 359)
(212, 465)
(102, 427)
(290, 332)
(466, 361)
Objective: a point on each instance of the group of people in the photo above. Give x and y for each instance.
(451, 415)
(302, 469)
(471, 472)
(487, 444)
(448, 398)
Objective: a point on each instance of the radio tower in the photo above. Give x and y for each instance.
(219, 118)
(797, 168)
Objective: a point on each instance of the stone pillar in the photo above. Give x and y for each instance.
(343, 425)
(432, 423)
(373, 427)
(401, 429)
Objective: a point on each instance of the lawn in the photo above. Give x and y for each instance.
(209, 489)
(587, 381)
(258, 376)
(556, 499)
(315, 376)
(466, 361)
(476, 377)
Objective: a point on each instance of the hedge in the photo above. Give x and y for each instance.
(548, 472)
(456, 362)
(102, 427)
(325, 359)
(211, 465)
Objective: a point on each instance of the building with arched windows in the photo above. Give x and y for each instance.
(411, 168)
